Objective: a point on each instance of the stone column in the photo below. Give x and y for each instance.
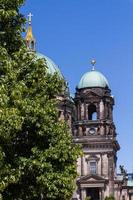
(111, 110)
(82, 111)
(85, 116)
(80, 131)
(78, 111)
(111, 173)
(101, 109)
(87, 111)
(101, 193)
(101, 164)
(82, 166)
(102, 130)
(83, 193)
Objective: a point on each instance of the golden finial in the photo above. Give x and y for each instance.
(30, 40)
(93, 62)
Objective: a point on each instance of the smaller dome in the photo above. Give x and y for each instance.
(93, 79)
(52, 67)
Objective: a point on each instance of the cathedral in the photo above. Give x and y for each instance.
(89, 115)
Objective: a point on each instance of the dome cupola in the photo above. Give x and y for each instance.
(51, 66)
(93, 78)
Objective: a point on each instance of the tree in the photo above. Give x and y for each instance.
(37, 156)
(11, 25)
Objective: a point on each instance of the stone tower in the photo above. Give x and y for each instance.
(94, 129)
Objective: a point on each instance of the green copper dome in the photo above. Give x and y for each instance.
(93, 79)
(52, 67)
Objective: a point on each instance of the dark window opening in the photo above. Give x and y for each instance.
(123, 197)
(32, 45)
(92, 113)
(59, 114)
(93, 193)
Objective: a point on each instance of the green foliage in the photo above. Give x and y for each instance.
(110, 198)
(11, 22)
(37, 157)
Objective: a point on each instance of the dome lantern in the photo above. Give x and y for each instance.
(30, 40)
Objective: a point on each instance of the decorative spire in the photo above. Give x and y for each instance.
(30, 40)
(93, 62)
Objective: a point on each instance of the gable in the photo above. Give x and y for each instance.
(91, 178)
(91, 93)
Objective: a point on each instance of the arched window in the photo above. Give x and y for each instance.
(92, 113)
(92, 163)
(32, 45)
(93, 167)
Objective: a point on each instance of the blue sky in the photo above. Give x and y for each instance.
(72, 32)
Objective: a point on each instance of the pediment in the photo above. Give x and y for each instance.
(91, 93)
(91, 178)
